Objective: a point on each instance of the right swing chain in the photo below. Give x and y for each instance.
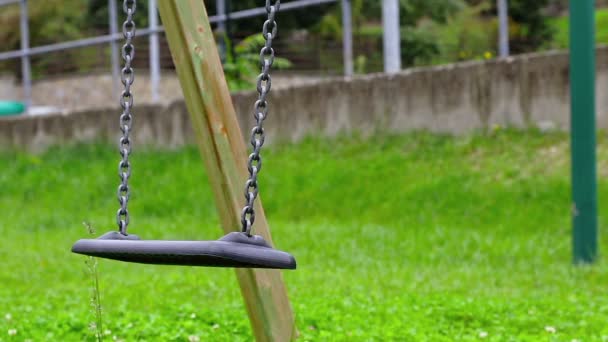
(126, 118)
(254, 163)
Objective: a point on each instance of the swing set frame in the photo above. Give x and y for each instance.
(220, 141)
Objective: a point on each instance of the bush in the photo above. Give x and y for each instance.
(97, 13)
(412, 11)
(532, 28)
(418, 46)
(67, 24)
(242, 63)
(466, 35)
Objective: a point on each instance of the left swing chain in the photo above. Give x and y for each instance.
(126, 119)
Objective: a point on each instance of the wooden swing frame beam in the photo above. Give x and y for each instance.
(223, 150)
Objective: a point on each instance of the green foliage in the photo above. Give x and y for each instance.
(242, 64)
(67, 24)
(531, 29)
(97, 13)
(411, 12)
(420, 20)
(529, 22)
(437, 10)
(465, 35)
(289, 20)
(428, 238)
(360, 64)
(470, 32)
(560, 26)
(330, 25)
(426, 25)
(441, 31)
(92, 268)
(418, 46)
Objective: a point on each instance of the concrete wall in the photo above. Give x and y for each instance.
(98, 91)
(529, 90)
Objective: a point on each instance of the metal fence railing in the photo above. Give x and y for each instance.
(152, 31)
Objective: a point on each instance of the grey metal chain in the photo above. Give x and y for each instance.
(126, 119)
(254, 163)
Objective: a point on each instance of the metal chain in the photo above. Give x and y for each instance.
(254, 163)
(126, 119)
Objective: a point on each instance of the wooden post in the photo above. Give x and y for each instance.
(223, 150)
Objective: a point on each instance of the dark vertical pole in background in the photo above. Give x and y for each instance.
(115, 57)
(228, 28)
(154, 54)
(26, 68)
(583, 144)
(503, 28)
(347, 37)
(220, 9)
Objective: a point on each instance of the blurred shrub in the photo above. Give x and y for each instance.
(531, 28)
(67, 23)
(412, 11)
(98, 15)
(529, 19)
(465, 35)
(297, 19)
(330, 24)
(418, 46)
(242, 64)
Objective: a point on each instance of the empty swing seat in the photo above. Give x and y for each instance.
(233, 250)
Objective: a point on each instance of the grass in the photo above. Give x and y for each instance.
(561, 29)
(416, 237)
(91, 263)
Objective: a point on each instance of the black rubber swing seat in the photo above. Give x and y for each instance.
(233, 250)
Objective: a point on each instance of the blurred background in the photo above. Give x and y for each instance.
(422, 165)
(310, 43)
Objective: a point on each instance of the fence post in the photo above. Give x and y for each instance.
(392, 36)
(154, 53)
(503, 28)
(26, 68)
(113, 22)
(220, 7)
(347, 31)
(582, 92)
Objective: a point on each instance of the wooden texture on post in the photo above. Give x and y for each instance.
(223, 150)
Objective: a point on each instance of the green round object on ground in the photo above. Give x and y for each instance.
(11, 108)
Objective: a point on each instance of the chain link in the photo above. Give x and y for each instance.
(126, 119)
(254, 163)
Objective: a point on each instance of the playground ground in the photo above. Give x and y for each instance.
(414, 237)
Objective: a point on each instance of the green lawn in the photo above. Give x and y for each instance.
(561, 29)
(398, 238)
